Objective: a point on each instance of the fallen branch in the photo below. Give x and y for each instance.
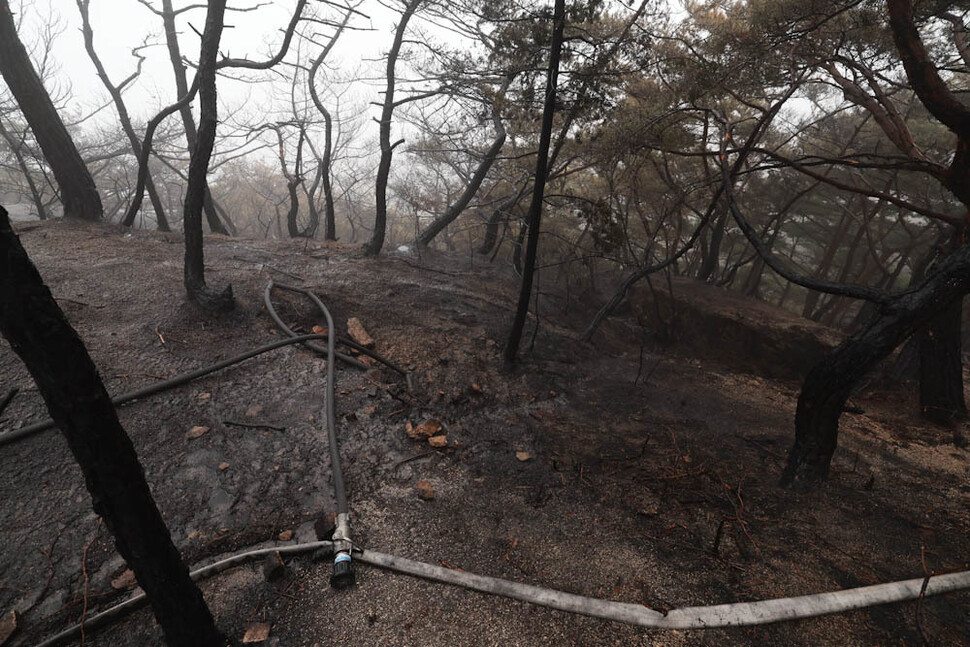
(243, 425)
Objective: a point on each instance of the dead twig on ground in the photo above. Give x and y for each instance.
(243, 425)
(48, 554)
(922, 594)
(413, 458)
(84, 573)
(737, 519)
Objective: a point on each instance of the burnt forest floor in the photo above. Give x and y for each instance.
(601, 469)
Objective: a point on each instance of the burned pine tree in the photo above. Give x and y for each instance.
(936, 302)
(78, 403)
(194, 271)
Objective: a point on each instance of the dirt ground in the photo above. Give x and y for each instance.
(607, 470)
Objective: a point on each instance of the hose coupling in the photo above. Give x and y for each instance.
(343, 576)
(343, 564)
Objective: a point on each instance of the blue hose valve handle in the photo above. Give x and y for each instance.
(343, 576)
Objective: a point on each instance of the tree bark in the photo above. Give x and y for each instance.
(77, 401)
(542, 171)
(79, 195)
(329, 217)
(194, 270)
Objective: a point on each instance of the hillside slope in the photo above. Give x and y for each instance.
(635, 475)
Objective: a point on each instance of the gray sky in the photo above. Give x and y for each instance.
(121, 25)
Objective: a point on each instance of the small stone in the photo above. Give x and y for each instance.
(438, 441)
(256, 632)
(426, 429)
(196, 431)
(357, 332)
(273, 567)
(254, 411)
(523, 456)
(223, 466)
(286, 535)
(425, 490)
(9, 625)
(124, 581)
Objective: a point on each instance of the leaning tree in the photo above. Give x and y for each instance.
(72, 389)
(79, 195)
(829, 384)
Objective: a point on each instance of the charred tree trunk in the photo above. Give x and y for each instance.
(455, 210)
(195, 285)
(115, 91)
(330, 225)
(78, 403)
(311, 197)
(906, 367)
(329, 215)
(500, 215)
(940, 400)
(292, 226)
(940, 347)
(517, 247)
(829, 383)
(374, 245)
(188, 120)
(712, 252)
(79, 195)
(491, 229)
(752, 284)
(293, 180)
(542, 172)
(16, 148)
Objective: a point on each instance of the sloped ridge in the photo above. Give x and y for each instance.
(708, 322)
